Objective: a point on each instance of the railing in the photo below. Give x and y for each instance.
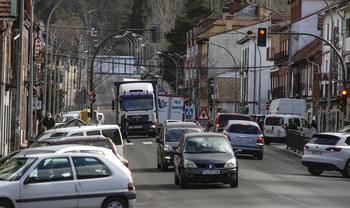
(296, 140)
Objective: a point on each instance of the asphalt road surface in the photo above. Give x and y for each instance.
(279, 180)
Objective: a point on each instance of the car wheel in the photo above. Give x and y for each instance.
(176, 179)
(158, 164)
(267, 141)
(183, 182)
(5, 205)
(164, 167)
(234, 183)
(260, 156)
(114, 202)
(346, 171)
(315, 171)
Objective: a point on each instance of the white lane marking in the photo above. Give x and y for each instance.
(147, 143)
(131, 143)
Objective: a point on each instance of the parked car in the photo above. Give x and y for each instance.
(110, 131)
(222, 118)
(205, 158)
(169, 138)
(246, 136)
(275, 127)
(328, 151)
(98, 141)
(58, 180)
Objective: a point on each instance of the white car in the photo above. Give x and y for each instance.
(65, 180)
(328, 151)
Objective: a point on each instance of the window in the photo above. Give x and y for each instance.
(305, 124)
(113, 134)
(244, 129)
(89, 133)
(90, 167)
(325, 140)
(53, 169)
(347, 28)
(77, 134)
(347, 141)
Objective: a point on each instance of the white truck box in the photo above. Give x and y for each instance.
(288, 106)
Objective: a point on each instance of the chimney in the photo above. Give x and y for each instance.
(234, 6)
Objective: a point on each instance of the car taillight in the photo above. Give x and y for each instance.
(260, 140)
(306, 147)
(333, 149)
(285, 125)
(130, 186)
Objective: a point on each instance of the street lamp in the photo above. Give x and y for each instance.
(235, 99)
(256, 48)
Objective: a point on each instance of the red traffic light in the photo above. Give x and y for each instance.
(262, 36)
(261, 32)
(344, 92)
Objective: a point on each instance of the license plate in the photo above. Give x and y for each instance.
(135, 127)
(316, 153)
(244, 139)
(210, 172)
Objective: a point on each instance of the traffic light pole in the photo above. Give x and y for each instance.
(335, 50)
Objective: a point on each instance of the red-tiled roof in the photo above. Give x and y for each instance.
(238, 22)
(5, 8)
(308, 50)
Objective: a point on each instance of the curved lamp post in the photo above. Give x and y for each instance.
(235, 99)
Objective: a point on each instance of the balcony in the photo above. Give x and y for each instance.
(278, 92)
(281, 57)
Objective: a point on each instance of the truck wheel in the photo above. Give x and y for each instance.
(267, 141)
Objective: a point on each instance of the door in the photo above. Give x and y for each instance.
(54, 186)
(306, 128)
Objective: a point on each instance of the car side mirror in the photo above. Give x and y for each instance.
(30, 180)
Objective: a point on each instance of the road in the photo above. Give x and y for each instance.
(279, 180)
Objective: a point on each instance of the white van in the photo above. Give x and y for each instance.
(275, 125)
(110, 131)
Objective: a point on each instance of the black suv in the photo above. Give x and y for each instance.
(169, 138)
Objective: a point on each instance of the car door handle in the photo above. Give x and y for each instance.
(77, 187)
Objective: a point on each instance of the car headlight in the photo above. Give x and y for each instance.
(189, 164)
(168, 148)
(153, 126)
(232, 163)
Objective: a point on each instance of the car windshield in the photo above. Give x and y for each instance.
(324, 140)
(208, 144)
(59, 134)
(65, 119)
(274, 121)
(174, 135)
(243, 129)
(14, 168)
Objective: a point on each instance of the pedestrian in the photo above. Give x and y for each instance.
(292, 125)
(314, 124)
(48, 121)
(124, 126)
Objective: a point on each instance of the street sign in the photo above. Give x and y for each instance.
(203, 115)
(189, 112)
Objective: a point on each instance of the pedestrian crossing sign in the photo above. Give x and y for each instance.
(188, 112)
(203, 115)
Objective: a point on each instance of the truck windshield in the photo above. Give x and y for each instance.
(136, 104)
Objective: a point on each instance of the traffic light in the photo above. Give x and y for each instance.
(262, 36)
(344, 94)
(154, 33)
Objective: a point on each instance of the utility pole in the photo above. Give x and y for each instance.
(19, 82)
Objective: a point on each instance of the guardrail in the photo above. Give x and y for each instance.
(296, 140)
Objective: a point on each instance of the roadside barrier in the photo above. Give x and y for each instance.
(296, 140)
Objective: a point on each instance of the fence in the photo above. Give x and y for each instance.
(296, 140)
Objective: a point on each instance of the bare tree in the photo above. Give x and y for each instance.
(164, 12)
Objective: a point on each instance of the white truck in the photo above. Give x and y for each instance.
(171, 108)
(288, 106)
(139, 100)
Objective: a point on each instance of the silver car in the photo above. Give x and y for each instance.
(245, 136)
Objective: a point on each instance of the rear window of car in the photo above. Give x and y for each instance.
(243, 129)
(114, 134)
(174, 135)
(324, 140)
(274, 121)
(223, 119)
